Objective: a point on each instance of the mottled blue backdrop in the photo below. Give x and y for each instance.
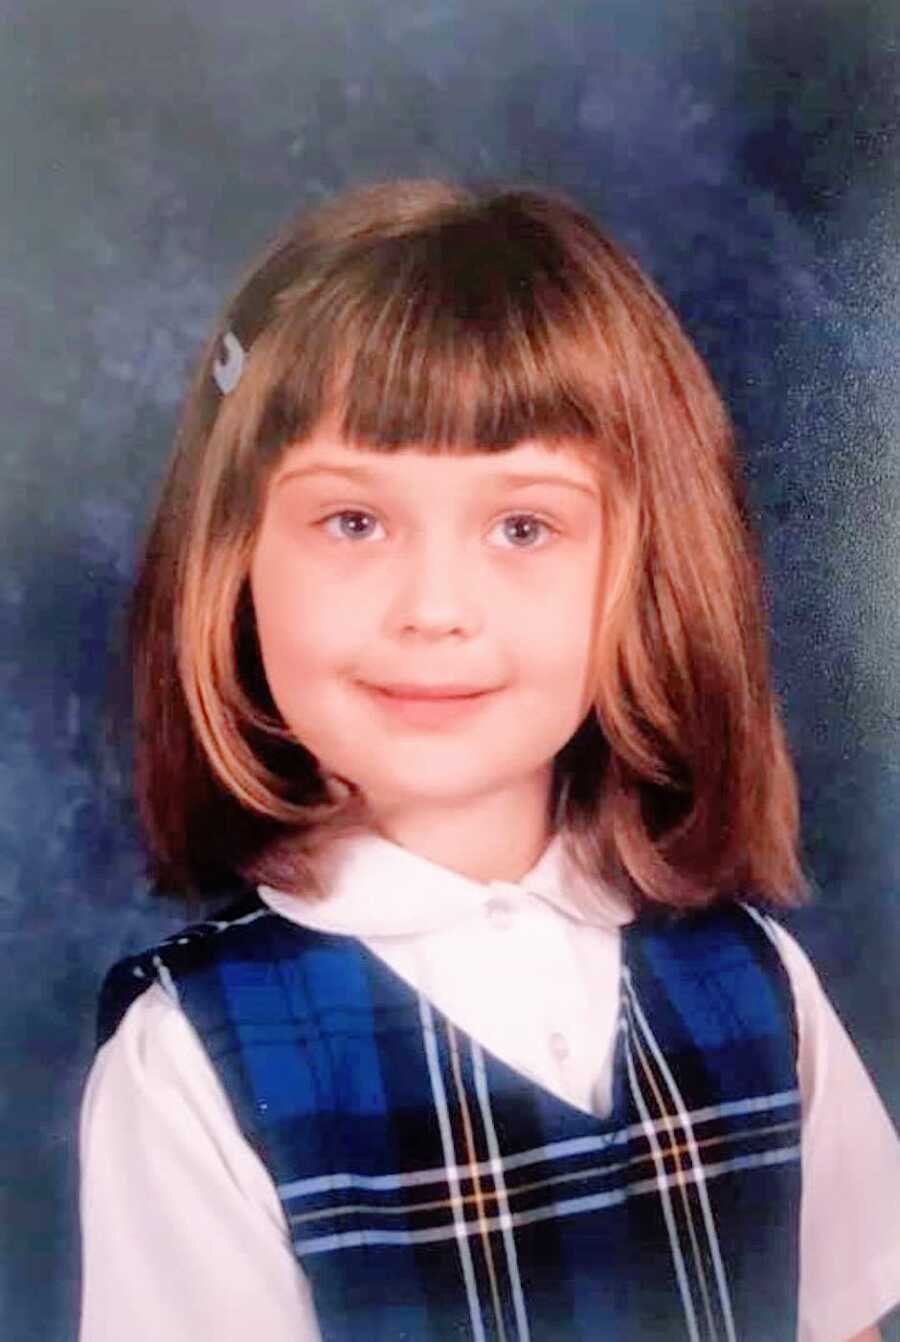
(747, 152)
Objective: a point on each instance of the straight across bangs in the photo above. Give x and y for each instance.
(424, 315)
(477, 330)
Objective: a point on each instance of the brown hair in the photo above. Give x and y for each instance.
(418, 313)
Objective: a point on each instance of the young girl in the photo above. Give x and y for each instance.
(451, 678)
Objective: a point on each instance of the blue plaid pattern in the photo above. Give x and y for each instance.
(434, 1193)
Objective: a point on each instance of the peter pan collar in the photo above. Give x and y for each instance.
(377, 888)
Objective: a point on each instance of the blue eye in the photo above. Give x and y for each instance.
(533, 523)
(534, 526)
(353, 534)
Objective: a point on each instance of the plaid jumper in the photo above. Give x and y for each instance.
(435, 1194)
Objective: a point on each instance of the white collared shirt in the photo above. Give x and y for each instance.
(184, 1235)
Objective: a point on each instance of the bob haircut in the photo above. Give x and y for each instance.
(428, 315)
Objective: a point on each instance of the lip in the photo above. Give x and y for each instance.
(428, 709)
(404, 690)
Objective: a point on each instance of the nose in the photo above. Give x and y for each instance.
(436, 591)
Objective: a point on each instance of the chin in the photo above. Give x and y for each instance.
(446, 791)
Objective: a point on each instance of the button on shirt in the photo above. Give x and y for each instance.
(530, 968)
(184, 1235)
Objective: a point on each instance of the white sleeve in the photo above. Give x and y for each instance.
(850, 1208)
(183, 1233)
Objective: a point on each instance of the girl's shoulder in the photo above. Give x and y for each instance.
(720, 937)
(716, 980)
(244, 929)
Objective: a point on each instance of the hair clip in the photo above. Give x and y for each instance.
(227, 371)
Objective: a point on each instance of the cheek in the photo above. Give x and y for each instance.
(561, 656)
(290, 637)
(556, 634)
(281, 619)
(301, 629)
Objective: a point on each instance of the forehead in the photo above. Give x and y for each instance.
(326, 458)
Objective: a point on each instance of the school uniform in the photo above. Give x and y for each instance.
(428, 1107)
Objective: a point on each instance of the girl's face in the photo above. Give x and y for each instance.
(374, 570)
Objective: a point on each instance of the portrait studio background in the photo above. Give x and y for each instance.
(747, 153)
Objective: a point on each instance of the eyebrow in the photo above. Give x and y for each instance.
(365, 475)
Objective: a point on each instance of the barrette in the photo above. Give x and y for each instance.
(227, 371)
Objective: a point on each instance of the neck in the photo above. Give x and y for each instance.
(498, 837)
